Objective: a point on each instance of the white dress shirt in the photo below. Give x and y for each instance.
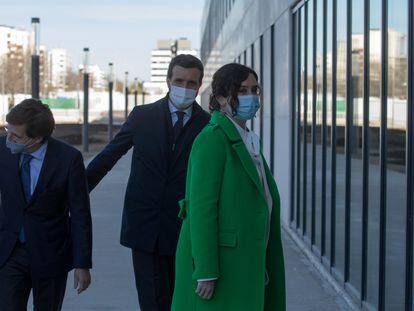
(187, 113)
(36, 165)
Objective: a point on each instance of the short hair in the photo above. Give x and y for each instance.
(36, 116)
(226, 82)
(186, 61)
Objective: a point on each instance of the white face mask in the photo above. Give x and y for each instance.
(182, 98)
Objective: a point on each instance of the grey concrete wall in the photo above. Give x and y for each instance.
(283, 112)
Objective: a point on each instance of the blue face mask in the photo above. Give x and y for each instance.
(16, 147)
(248, 106)
(182, 98)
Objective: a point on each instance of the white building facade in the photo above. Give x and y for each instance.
(160, 60)
(59, 64)
(336, 126)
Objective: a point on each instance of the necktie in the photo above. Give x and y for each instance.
(26, 183)
(178, 126)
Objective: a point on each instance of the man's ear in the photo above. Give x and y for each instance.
(168, 83)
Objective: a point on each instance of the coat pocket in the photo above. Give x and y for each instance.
(228, 239)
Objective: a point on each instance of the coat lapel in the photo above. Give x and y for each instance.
(48, 167)
(165, 130)
(15, 176)
(248, 164)
(238, 145)
(271, 183)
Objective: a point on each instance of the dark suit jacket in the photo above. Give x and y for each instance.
(57, 220)
(157, 178)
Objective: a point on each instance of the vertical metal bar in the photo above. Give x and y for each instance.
(333, 137)
(324, 125)
(85, 130)
(110, 114)
(410, 167)
(293, 64)
(261, 79)
(252, 66)
(299, 79)
(305, 124)
(126, 102)
(35, 76)
(272, 98)
(365, 152)
(383, 156)
(314, 98)
(348, 134)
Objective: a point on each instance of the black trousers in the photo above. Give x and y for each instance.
(154, 279)
(16, 283)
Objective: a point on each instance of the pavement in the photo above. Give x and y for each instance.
(113, 285)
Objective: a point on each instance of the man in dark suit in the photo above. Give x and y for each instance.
(161, 135)
(45, 221)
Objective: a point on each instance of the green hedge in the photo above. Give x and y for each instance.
(60, 103)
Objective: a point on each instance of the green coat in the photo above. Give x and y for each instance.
(224, 231)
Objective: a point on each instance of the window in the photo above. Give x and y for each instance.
(352, 186)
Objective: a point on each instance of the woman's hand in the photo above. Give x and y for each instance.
(205, 289)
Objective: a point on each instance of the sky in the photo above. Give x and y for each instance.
(120, 31)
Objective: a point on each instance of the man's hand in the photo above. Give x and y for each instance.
(82, 279)
(205, 289)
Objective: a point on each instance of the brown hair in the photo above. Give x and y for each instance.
(35, 115)
(226, 82)
(186, 61)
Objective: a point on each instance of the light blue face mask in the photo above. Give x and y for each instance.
(248, 106)
(182, 98)
(16, 147)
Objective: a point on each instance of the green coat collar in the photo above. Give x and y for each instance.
(219, 119)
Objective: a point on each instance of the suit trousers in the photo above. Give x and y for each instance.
(154, 279)
(16, 282)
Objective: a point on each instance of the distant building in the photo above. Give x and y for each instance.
(44, 72)
(59, 65)
(12, 39)
(14, 63)
(98, 78)
(160, 60)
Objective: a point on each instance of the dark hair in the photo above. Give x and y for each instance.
(186, 61)
(227, 81)
(35, 115)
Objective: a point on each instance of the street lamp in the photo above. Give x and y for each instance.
(174, 48)
(111, 87)
(35, 57)
(136, 91)
(126, 95)
(143, 92)
(85, 133)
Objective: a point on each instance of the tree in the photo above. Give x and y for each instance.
(73, 80)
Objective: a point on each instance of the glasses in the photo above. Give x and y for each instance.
(255, 90)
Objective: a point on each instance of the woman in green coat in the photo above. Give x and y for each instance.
(229, 255)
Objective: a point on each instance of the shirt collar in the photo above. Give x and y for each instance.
(173, 109)
(40, 153)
